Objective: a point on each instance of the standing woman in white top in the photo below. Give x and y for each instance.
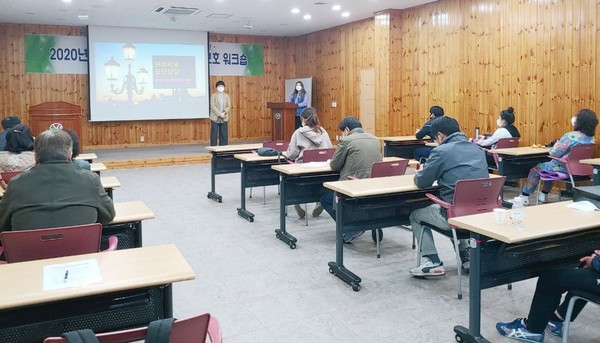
(220, 105)
(311, 135)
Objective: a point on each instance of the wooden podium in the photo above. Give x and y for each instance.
(43, 115)
(283, 117)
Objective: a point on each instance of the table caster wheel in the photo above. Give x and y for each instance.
(277, 235)
(458, 339)
(251, 219)
(355, 287)
(292, 245)
(220, 201)
(330, 271)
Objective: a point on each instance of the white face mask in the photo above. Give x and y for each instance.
(499, 122)
(573, 121)
(221, 89)
(298, 88)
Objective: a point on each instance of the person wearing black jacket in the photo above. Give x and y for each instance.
(425, 131)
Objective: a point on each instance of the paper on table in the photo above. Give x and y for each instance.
(583, 206)
(71, 274)
(315, 164)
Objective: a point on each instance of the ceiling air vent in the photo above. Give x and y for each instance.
(176, 10)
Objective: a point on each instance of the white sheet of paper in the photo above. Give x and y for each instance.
(315, 164)
(71, 274)
(583, 206)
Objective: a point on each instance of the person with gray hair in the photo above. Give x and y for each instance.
(54, 192)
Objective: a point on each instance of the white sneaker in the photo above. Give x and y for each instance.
(525, 199)
(429, 269)
(542, 197)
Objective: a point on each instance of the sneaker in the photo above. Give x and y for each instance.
(517, 329)
(318, 210)
(349, 237)
(555, 327)
(429, 269)
(525, 199)
(542, 197)
(300, 211)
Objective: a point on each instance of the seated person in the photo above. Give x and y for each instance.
(7, 123)
(454, 159)
(424, 151)
(76, 146)
(506, 129)
(355, 154)
(311, 135)
(584, 123)
(55, 192)
(545, 311)
(18, 153)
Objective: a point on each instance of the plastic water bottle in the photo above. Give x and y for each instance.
(517, 214)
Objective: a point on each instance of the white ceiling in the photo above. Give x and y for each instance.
(265, 17)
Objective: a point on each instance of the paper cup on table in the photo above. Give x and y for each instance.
(500, 215)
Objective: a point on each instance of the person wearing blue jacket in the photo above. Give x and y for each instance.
(454, 159)
(299, 97)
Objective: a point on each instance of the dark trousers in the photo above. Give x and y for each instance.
(548, 292)
(422, 152)
(327, 203)
(298, 122)
(220, 130)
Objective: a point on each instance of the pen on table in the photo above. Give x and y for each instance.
(66, 275)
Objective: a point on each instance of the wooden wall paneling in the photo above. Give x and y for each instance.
(408, 65)
(382, 36)
(396, 112)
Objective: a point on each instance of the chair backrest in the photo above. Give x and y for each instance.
(27, 245)
(194, 329)
(474, 196)
(505, 143)
(7, 176)
(317, 155)
(281, 146)
(578, 153)
(389, 168)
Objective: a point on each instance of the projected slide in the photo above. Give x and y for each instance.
(143, 74)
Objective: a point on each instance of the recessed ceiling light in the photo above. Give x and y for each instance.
(66, 0)
(346, 14)
(295, 10)
(307, 17)
(336, 7)
(83, 16)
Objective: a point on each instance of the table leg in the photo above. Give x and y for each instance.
(337, 268)
(138, 234)
(168, 301)
(242, 211)
(473, 333)
(281, 233)
(212, 194)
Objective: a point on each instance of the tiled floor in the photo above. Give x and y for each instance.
(262, 291)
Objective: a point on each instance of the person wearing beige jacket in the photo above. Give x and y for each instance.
(220, 105)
